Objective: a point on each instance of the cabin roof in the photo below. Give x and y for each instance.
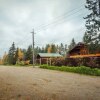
(49, 55)
(77, 46)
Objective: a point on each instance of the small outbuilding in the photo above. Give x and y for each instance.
(46, 57)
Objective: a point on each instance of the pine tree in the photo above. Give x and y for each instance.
(43, 50)
(72, 44)
(29, 54)
(92, 34)
(11, 54)
(92, 20)
(46, 48)
(53, 48)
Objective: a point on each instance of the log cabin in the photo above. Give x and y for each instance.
(80, 51)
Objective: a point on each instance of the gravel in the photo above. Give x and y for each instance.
(27, 83)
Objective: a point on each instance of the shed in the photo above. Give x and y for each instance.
(45, 58)
(48, 55)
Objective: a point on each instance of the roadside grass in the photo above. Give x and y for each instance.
(80, 70)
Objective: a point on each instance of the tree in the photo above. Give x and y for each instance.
(1, 62)
(53, 48)
(19, 55)
(11, 54)
(43, 50)
(72, 44)
(86, 39)
(47, 47)
(5, 58)
(29, 54)
(92, 34)
(92, 20)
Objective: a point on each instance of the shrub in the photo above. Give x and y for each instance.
(71, 62)
(21, 63)
(58, 62)
(92, 62)
(27, 62)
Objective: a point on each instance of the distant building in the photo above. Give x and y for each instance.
(48, 55)
(45, 58)
(79, 49)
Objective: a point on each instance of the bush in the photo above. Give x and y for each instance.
(21, 63)
(58, 62)
(27, 62)
(92, 62)
(71, 62)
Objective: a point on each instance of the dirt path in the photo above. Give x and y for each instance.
(26, 83)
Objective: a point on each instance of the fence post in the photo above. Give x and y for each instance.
(47, 61)
(40, 61)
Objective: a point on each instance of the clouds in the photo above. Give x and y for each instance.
(19, 17)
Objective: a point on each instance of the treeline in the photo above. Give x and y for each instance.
(24, 56)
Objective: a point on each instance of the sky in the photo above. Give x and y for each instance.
(53, 21)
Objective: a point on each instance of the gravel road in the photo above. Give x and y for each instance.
(27, 83)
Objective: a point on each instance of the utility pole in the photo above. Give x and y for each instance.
(33, 46)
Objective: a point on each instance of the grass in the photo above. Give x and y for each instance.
(80, 70)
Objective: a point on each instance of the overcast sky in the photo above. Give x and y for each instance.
(54, 21)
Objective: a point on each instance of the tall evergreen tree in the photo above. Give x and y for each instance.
(72, 44)
(53, 48)
(11, 54)
(92, 34)
(92, 20)
(29, 54)
(46, 48)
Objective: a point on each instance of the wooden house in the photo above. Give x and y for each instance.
(79, 49)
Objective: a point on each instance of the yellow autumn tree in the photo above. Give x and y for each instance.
(1, 61)
(4, 59)
(49, 49)
(19, 55)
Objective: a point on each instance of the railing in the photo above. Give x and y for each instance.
(88, 55)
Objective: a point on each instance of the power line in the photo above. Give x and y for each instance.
(57, 23)
(61, 21)
(58, 19)
(66, 13)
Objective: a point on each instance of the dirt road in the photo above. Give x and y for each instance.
(27, 83)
